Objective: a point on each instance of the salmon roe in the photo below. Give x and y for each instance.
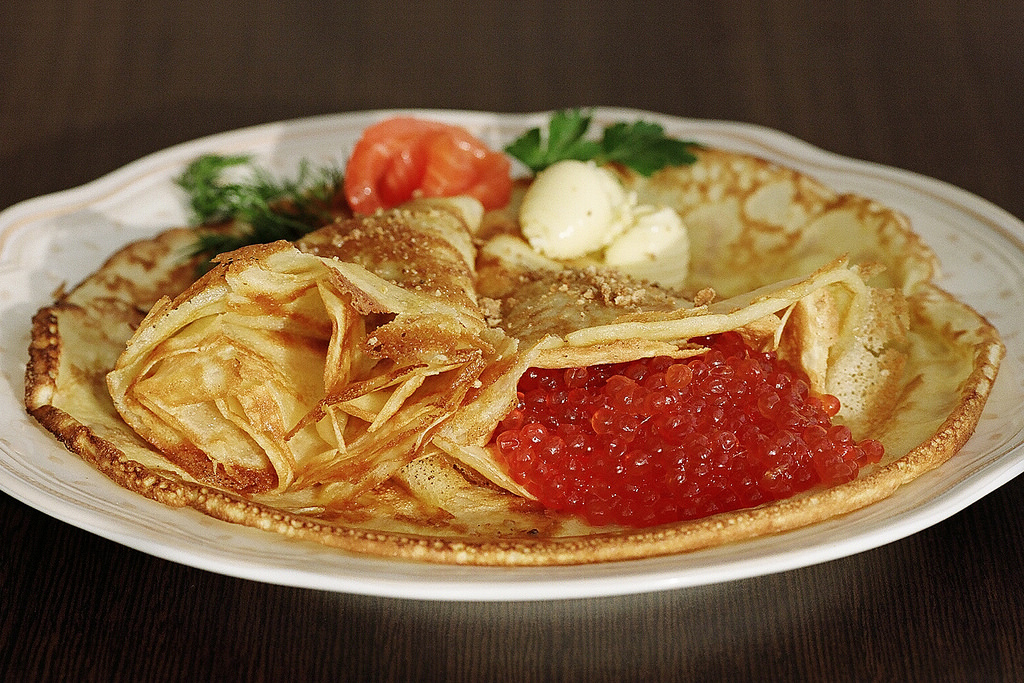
(662, 440)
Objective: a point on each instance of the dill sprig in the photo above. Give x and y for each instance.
(256, 208)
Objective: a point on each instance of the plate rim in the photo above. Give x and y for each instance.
(498, 586)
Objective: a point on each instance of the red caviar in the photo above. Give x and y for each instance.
(662, 440)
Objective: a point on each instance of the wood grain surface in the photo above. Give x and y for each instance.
(933, 86)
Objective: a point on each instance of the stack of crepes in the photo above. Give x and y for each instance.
(345, 388)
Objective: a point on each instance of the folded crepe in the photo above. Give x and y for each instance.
(327, 364)
(345, 388)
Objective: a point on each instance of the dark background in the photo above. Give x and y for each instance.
(933, 86)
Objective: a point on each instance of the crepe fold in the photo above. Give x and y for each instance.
(284, 369)
(329, 365)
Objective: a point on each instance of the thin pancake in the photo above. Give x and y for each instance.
(445, 506)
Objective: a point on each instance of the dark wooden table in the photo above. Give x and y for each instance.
(934, 86)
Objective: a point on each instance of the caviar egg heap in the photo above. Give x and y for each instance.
(660, 440)
(432, 361)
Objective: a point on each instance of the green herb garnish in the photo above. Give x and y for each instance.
(257, 208)
(641, 146)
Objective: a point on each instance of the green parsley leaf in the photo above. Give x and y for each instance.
(256, 208)
(641, 146)
(564, 140)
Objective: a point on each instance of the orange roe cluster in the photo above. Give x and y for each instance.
(662, 440)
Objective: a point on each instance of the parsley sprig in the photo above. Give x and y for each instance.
(641, 146)
(258, 208)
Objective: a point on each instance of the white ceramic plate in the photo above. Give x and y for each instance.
(62, 237)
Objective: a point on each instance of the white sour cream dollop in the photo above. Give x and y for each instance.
(577, 209)
(655, 248)
(573, 208)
